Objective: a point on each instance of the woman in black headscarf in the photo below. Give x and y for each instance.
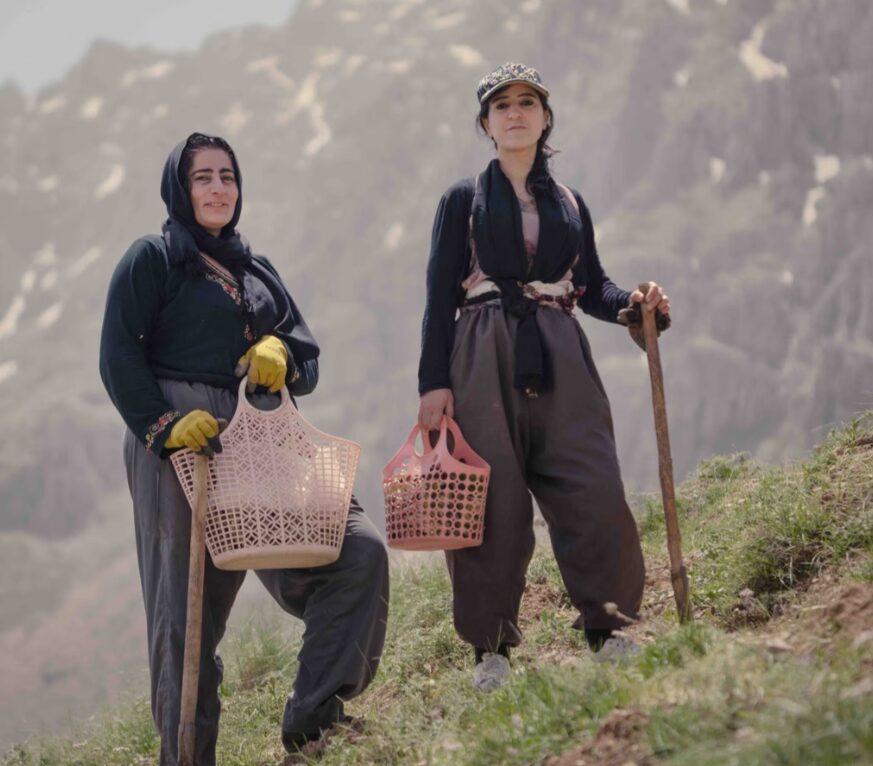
(187, 314)
(514, 252)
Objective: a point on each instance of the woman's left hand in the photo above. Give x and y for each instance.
(266, 362)
(654, 298)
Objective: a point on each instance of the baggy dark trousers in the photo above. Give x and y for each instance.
(560, 448)
(343, 605)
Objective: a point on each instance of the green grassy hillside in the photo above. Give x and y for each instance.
(777, 666)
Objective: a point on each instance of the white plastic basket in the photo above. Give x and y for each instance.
(278, 493)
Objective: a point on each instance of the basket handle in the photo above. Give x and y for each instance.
(242, 400)
(460, 444)
(409, 445)
(446, 424)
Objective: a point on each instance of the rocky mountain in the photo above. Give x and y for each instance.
(724, 148)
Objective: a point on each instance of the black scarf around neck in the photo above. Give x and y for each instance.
(266, 303)
(500, 249)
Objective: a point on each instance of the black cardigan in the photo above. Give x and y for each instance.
(448, 266)
(161, 323)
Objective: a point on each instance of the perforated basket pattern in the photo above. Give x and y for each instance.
(278, 493)
(435, 500)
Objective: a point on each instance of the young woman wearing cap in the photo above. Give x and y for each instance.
(186, 313)
(514, 252)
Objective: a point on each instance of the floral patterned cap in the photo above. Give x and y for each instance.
(506, 74)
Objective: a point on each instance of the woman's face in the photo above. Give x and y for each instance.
(516, 118)
(214, 192)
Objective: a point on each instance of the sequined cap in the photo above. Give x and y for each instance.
(506, 74)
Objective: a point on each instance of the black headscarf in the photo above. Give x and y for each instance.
(266, 303)
(500, 249)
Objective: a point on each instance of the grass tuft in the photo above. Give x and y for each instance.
(754, 533)
(261, 651)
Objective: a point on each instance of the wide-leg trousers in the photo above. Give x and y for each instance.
(343, 605)
(558, 448)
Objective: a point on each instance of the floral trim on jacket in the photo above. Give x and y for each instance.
(231, 288)
(159, 426)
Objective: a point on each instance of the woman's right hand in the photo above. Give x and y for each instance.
(434, 404)
(198, 430)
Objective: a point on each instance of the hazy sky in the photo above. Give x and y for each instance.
(41, 39)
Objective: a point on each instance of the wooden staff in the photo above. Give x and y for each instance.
(678, 574)
(194, 617)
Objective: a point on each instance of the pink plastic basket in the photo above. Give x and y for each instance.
(278, 493)
(435, 500)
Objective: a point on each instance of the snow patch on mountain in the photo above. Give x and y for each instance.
(7, 370)
(235, 118)
(28, 280)
(466, 56)
(91, 108)
(270, 68)
(447, 21)
(680, 5)
(112, 182)
(49, 280)
(827, 166)
(81, 263)
(393, 236)
(760, 66)
(329, 58)
(9, 322)
(47, 184)
(51, 315)
(154, 71)
(813, 197)
(52, 105)
(46, 255)
(716, 169)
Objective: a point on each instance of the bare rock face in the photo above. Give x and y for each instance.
(724, 152)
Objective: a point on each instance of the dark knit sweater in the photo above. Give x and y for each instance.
(161, 323)
(448, 267)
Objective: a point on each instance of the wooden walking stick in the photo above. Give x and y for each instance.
(678, 574)
(194, 619)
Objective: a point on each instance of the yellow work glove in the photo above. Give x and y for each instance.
(197, 430)
(266, 363)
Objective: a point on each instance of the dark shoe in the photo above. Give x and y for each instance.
(308, 746)
(299, 728)
(296, 740)
(597, 637)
